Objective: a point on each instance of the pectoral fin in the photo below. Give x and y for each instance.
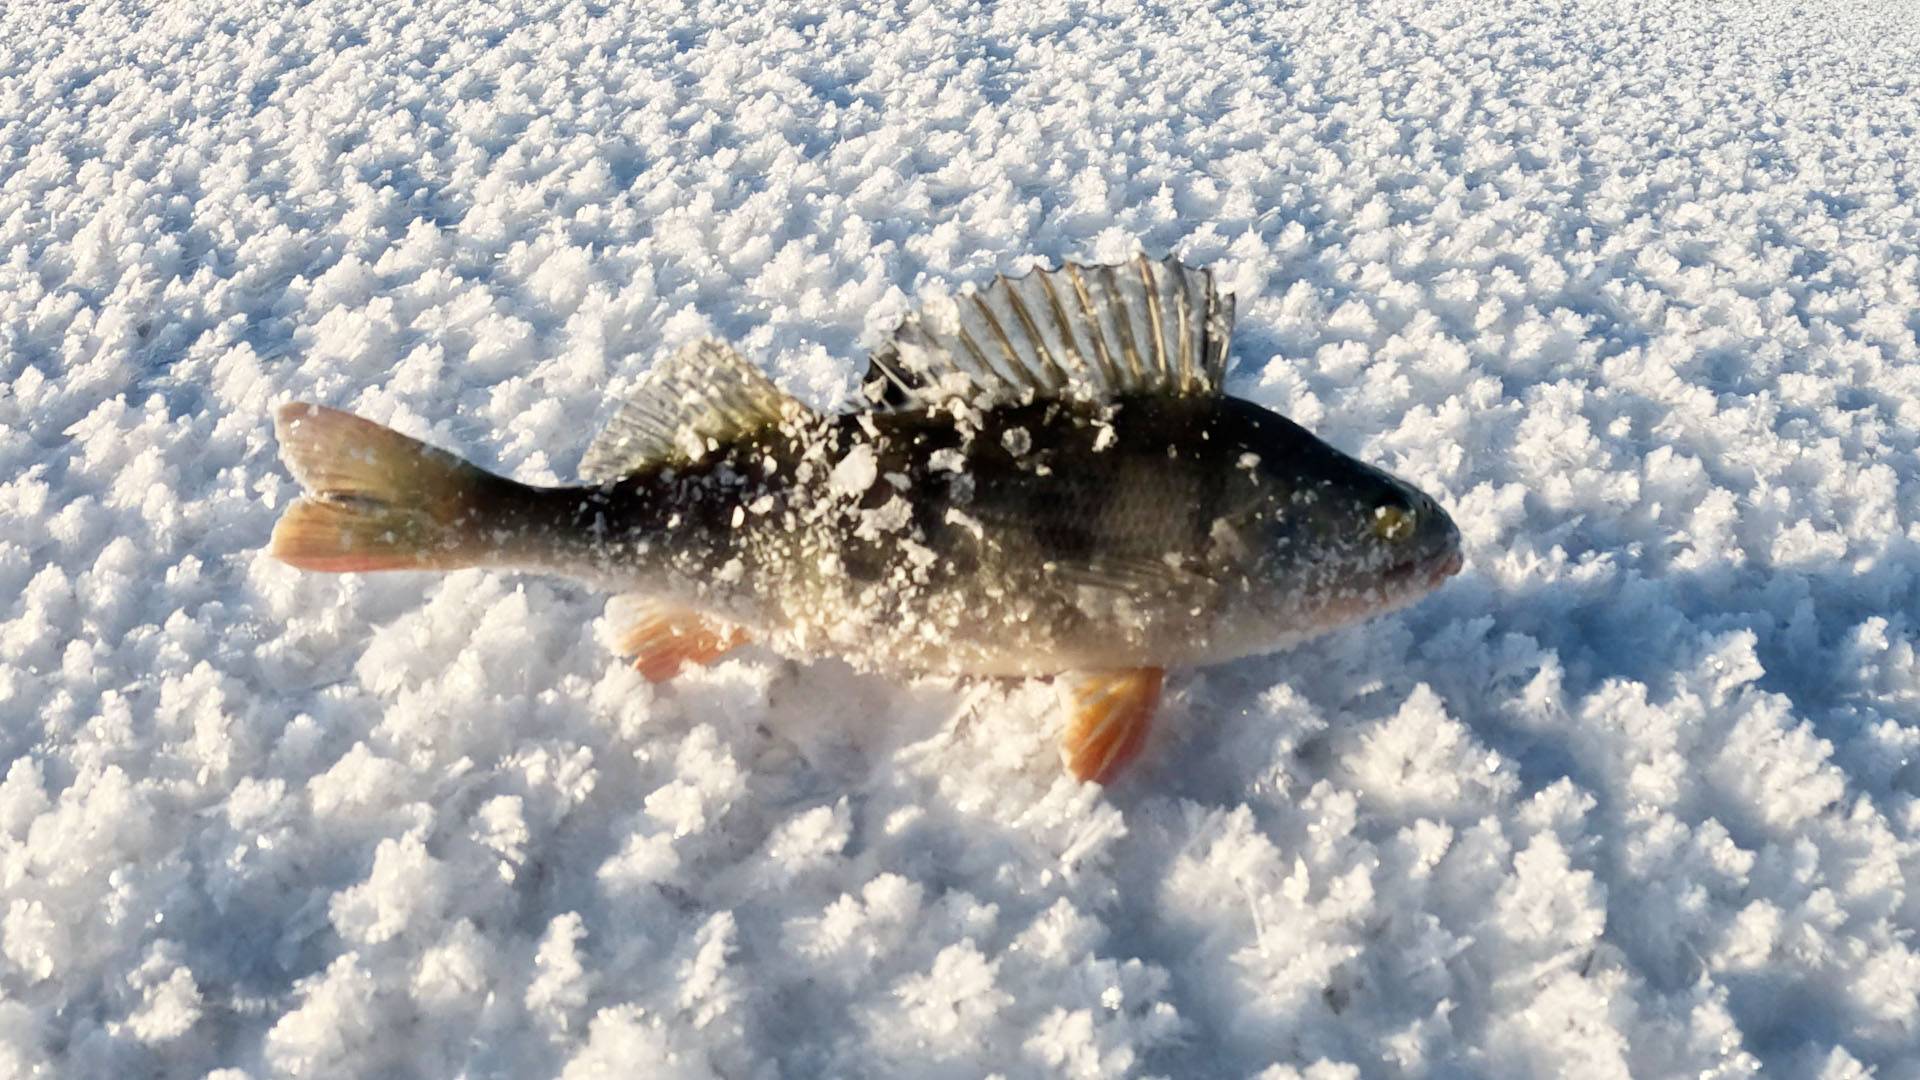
(1112, 711)
(662, 638)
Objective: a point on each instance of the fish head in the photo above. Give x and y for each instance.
(1327, 539)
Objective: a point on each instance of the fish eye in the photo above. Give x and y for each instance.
(1391, 523)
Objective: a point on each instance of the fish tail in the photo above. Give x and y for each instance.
(376, 499)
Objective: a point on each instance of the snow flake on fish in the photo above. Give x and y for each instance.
(855, 472)
(890, 517)
(947, 460)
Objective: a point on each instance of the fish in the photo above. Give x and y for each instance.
(1041, 478)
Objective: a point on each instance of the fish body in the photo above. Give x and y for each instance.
(1086, 502)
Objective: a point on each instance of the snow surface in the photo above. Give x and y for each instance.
(1634, 290)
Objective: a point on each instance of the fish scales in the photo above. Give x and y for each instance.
(1085, 502)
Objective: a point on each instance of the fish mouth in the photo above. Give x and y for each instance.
(1429, 571)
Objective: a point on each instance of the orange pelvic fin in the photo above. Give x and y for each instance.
(662, 637)
(1112, 712)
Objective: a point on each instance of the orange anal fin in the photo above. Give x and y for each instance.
(662, 638)
(1112, 712)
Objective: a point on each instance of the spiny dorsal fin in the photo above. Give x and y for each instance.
(700, 398)
(1094, 332)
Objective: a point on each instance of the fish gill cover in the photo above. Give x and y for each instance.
(1631, 290)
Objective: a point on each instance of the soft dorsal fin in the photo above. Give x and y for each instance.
(701, 397)
(1095, 332)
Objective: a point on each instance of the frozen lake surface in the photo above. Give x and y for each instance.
(1634, 289)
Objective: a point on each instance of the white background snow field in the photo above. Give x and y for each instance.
(1634, 289)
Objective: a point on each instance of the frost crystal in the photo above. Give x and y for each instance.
(1630, 287)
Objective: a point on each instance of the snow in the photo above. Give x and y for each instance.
(1633, 289)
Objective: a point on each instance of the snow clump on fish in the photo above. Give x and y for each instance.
(1631, 292)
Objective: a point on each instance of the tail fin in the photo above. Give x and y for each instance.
(376, 499)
